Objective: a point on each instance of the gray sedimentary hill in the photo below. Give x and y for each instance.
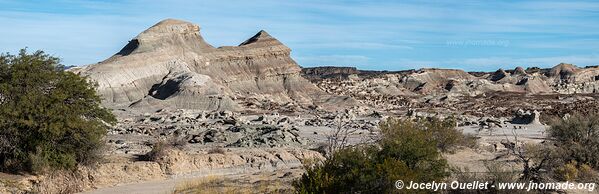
(170, 65)
(561, 79)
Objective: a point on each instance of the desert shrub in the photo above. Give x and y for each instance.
(49, 118)
(577, 137)
(159, 150)
(469, 141)
(496, 172)
(537, 159)
(445, 133)
(573, 171)
(161, 147)
(465, 175)
(568, 172)
(406, 151)
(216, 150)
(220, 185)
(177, 142)
(587, 174)
(576, 140)
(60, 182)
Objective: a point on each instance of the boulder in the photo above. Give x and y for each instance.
(527, 117)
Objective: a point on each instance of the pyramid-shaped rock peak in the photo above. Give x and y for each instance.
(519, 71)
(261, 37)
(161, 67)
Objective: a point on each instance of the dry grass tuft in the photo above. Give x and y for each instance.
(219, 185)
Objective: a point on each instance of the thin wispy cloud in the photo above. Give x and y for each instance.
(368, 34)
(336, 60)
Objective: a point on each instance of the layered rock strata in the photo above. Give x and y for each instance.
(170, 65)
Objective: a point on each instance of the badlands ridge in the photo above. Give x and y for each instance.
(170, 65)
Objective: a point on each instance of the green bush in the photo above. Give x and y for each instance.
(406, 151)
(49, 118)
(445, 133)
(577, 138)
(577, 146)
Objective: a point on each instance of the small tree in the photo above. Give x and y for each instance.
(445, 133)
(406, 151)
(49, 118)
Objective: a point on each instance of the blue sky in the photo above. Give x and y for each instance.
(392, 35)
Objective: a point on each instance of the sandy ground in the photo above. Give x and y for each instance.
(472, 159)
(169, 185)
(316, 135)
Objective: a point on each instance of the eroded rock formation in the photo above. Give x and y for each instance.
(170, 65)
(561, 79)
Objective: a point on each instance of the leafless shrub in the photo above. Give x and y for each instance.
(339, 138)
(217, 150)
(161, 147)
(500, 173)
(495, 172)
(469, 141)
(61, 181)
(535, 158)
(465, 175)
(214, 184)
(159, 150)
(177, 142)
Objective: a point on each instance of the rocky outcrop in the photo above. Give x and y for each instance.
(328, 70)
(561, 79)
(432, 80)
(233, 162)
(519, 71)
(527, 117)
(563, 71)
(318, 73)
(569, 79)
(498, 75)
(170, 65)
